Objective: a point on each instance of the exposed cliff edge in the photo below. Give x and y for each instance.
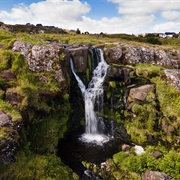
(45, 57)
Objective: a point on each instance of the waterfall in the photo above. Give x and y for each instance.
(93, 96)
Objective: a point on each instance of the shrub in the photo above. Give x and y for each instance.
(153, 40)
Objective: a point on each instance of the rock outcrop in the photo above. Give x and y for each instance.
(173, 77)
(129, 54)
(48, 58)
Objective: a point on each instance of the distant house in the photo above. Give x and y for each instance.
(39, 25)
(169, 34)
(162, 35)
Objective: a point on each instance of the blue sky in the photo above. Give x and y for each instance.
(95, 16)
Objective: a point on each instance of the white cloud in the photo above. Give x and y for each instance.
(167, 26)
(171, 15)
(141, 10)
(141, 7)
(49, 12)
(135, 16)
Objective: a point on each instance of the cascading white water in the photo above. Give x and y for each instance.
(92, 96)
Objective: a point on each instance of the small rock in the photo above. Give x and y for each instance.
(4, 119)
(138, 150)
(126, 147)
(157, 154)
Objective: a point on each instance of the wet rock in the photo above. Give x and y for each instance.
(157, 154)
(173, 77)
(7, 150)
(141, 92)
(154, 175)
(8, 139)
(120, 73)
(80, 57)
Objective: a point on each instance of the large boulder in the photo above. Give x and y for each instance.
(44, 57)
(154, 175)
(140, 92)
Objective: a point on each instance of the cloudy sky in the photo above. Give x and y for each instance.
(95, 16)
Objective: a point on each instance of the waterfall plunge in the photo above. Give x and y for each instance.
(92, 96)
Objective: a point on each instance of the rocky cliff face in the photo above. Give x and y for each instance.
(128, 54)
(46, 57)
(131, 93)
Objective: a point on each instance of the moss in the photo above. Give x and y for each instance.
(118, 157)
(39, 167)
(148, 70)
(6, 58)
(169, 98)
(8, 108)
(49, 129)
(112, 84)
